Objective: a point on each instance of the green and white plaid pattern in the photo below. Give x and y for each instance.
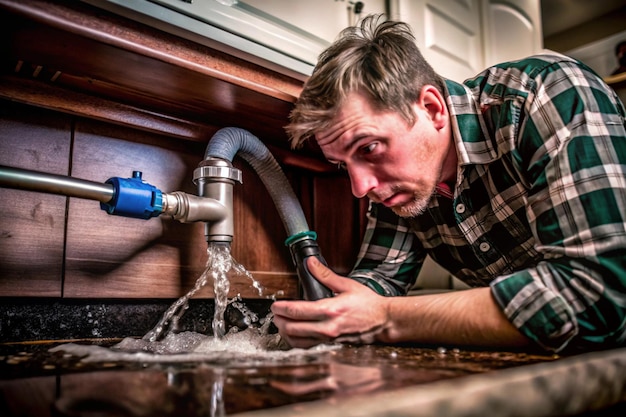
(540, 211)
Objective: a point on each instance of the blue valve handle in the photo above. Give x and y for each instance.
(133, 197)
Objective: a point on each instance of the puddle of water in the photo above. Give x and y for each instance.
(164, 344)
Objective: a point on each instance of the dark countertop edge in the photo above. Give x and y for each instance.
(570, 386)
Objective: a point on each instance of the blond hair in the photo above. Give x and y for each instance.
(379, 58)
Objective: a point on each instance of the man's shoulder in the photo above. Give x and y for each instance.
(539, 62)
(547, 56)
(523, 74)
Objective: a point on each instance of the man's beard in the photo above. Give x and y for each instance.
(415, 207)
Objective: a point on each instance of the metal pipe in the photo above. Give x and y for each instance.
(188, 208)
(23, 179)
(215, 179)
(231, 141)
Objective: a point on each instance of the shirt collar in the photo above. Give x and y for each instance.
(468, 126)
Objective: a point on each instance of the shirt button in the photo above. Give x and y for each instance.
(484, 247)
(460, 208)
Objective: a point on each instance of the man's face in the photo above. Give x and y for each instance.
(388, 160)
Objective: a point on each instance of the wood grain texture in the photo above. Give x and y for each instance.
(78, 49)
(121, 97)
(161, 257)
(32, 224)
(337, 219)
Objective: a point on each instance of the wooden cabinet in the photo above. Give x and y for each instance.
(56, 246)
(120, 95)
(285, 35)
(32, 225)
(87, 93)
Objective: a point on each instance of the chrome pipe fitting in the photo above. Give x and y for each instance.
(188, 208)
(215, 179)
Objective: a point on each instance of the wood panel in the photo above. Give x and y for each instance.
(259, 238)
(111, 256)
(116, 257)
(80, 49)
(157, 99)
(337, 220)
(32, 224)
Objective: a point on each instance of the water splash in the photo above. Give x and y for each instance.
(219, 264)
(164, 343)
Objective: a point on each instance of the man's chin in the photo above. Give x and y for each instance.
(411, 209)
(407, 205)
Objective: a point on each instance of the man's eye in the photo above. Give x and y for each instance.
(369, 148)
(341, 166)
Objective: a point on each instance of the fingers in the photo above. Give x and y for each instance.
(308, 323)
(299, 310)
(326, 276)
(299, 333)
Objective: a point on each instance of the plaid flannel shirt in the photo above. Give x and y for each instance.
(539, 207)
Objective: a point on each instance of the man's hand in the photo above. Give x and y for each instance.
(356, 314)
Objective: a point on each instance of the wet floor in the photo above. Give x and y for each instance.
(339, 382)
(37, 382)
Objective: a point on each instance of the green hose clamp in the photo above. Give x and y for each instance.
(309, 234)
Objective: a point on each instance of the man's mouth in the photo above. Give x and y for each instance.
(396, 199)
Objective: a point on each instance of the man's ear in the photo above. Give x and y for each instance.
(433, 102)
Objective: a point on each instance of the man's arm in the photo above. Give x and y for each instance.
(468, 317)
(572, 154)
(358, 315)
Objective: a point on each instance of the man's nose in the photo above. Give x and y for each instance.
(362, 181)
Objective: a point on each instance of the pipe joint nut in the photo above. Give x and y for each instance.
(216, 169)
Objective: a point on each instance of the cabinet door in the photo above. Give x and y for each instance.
(323, 19)
(462, 37)
(447, 32)
(512, 29)
(32, 223)
(284, 35)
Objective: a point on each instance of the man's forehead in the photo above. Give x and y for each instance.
(331, 130)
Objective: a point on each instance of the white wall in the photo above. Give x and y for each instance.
(322, 18)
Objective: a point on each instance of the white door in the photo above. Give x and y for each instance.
(321, 18)
(462, 37)
(511, 30)
(448, 33)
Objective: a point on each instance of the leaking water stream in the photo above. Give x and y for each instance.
(219, 264)
(238, 371)
(165, 344)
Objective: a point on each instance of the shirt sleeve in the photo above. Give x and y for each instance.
(572, 150)
(390, 257)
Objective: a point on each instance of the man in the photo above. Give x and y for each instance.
(514, 181)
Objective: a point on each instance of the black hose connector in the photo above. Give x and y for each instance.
(301, 250)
